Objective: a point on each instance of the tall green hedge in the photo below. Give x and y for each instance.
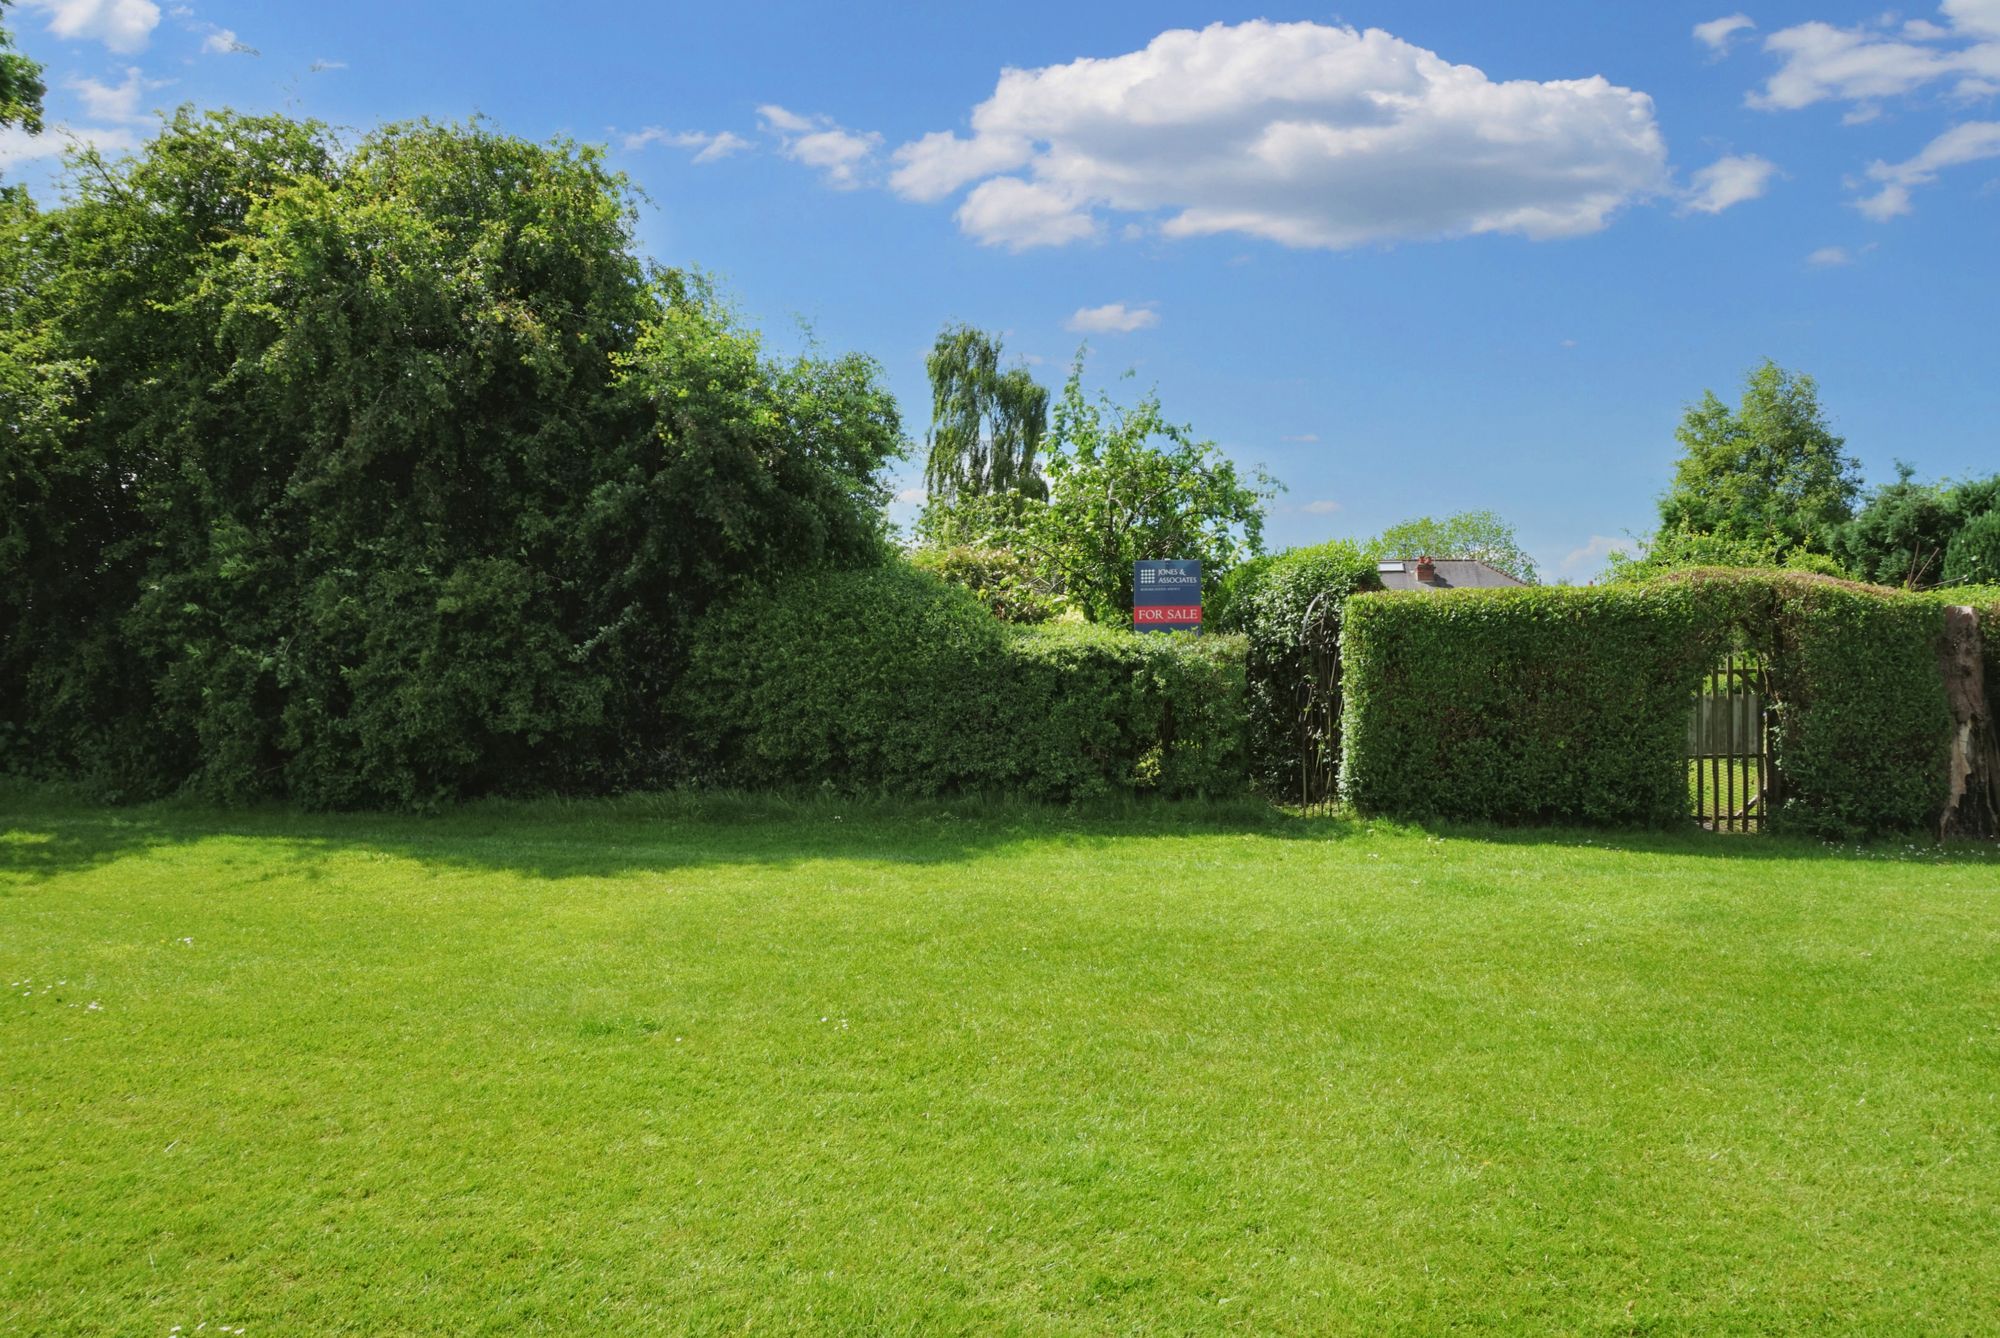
(890, 679)
(1573, 704)
(1522, 704)
(1863, 725)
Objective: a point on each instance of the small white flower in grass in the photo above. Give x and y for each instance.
(94, 1006)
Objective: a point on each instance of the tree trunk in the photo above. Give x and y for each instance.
(1972, 806)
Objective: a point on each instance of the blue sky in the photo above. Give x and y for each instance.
(1413, 258)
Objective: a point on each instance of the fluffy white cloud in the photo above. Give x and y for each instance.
(1728, 181)
(1968, 143)
(840, 154)
(122, 25)
(1830, 257)
(1017, 214)
(1325, 506)
(18, 146)
(1818, 61)
(1717, 34)
(113, 102)
(708, 148)
(1301, 133)
(1112, 318)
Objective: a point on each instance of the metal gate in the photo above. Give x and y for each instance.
(1732, 783)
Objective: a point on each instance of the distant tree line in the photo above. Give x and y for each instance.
(1768, 483)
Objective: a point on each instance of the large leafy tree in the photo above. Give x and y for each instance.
(1769, 469)
(1481, 535)
(21, 86)
(987, 421)
(386, 474)
(1126, 483)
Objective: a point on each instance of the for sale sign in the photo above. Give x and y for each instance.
(1166, 596)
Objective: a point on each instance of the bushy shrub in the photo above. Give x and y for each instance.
(889, 679)
(999, 578)
(387, 475)
(1267, 601)
(1974, 555)
(1523, 704)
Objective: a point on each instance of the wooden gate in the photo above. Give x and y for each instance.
(1732, 783)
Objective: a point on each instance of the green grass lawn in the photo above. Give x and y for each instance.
(657, 1066)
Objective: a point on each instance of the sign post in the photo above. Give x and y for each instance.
(1166, 596)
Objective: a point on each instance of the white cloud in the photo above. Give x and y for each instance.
(1017, 214)
(224, 42)
(1301, 133)
(913, 496)
(709, 148)
(1830, 257)
(114, 102)
(840, 154)
(1717, 34)
(1304, 437)
(18, 146)
(1590, 557)
(122, 25)
(1325, 506)
(1728, 181)
(1112, 318)
(321, 66)
(1818, 61)
(1967, 143)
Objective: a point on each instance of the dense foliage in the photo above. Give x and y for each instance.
(1669, 550)
(1536, 704)
(1480, 535)
(1269, 601)
(1573, 704)
(1905, 531)
(1769, 471)
(889, 679)
(1973, 556)
(384, 474)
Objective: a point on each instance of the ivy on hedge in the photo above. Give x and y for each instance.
(889, 679)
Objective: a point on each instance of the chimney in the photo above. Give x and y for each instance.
(1427, 572)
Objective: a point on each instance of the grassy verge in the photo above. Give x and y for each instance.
(703, 1065)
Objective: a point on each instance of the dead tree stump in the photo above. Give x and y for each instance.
(1972, 805)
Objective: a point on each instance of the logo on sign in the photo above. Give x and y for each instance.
(1166, 596)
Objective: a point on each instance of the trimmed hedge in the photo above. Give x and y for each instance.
(889, 679)
(1572, 704)
(1530, 704)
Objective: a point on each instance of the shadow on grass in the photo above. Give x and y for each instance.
(45, 833)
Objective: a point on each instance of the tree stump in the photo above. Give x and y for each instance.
(1972, 806)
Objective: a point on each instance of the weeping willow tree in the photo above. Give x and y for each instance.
(986, 424)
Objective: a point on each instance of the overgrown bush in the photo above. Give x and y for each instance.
(1267, 601)
(384, 475)
(1523, 704)
(1001, 579)
(889, 679)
